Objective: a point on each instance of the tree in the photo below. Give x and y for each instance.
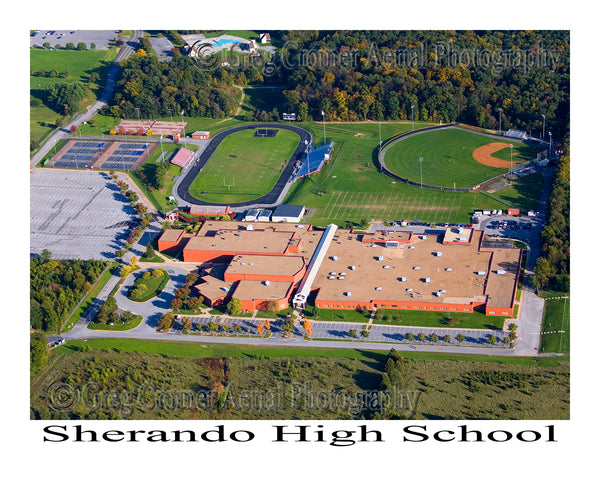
(92, 46)
(187, 323)
(410, 336)
(288, 325)
(492, 339)
(433, 337)
(81, 46)
(260, 328)
(191, 278)
(149, 252)
(268, 324)
(194, 302)
(421, 336)
(272, 306)
(234, 306)
(512, 327)
(38, 351)
(127, 317)
(446, 338)
(166, 321)
(460, 338)
(352, 332)
(176, 303)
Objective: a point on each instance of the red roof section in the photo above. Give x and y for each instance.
(182, 157)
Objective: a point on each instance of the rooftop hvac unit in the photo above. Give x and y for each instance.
(330, 278)
(403, 279)
(249, 227)
(386, 266)
(380, 258)
(334, 258)
(340, 278)
(377, 288)
(462, 239)
(352, 267)
(442, 291)
(437, 294)
(460, 229)
(480, 272)
(343, 274)
(448, 269)
(409, 289)
(267, 282)
(427, 280)
(225, 289)
(251, 264)
(501, 272)
(438, 254)
(348, 294)
(411, 247)
(332, 273)
(416, 268)
(424, 237)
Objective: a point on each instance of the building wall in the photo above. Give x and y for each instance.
(216, 256)
(232, 277)
(398, 305)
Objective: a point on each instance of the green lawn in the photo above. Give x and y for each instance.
(154, 286)
(350, 188)
(79, 64)
(524, 192)
(244, 167)
(557, 318)
(120, 327)
(475, 320)
(448, 158)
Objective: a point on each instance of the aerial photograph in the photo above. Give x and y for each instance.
(302, 225)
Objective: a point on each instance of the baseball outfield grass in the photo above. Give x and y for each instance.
(448, 159)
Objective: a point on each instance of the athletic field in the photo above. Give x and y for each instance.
(453, 157)
(244, 166)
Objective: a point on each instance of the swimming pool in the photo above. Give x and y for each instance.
(224, 41)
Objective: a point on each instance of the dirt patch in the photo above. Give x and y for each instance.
(483, 155)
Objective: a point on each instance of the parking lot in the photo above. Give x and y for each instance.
(77, 214)
(100, 38)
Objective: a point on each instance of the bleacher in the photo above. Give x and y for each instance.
(182, 157)
(313, 160)
(518, 134)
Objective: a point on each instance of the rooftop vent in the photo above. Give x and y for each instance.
(480, 272)
(348, 294)
(249, 227)
(267, 282)
(438, 254)
(501, 272)
(416, 268)
(448, 269)
(427, 280)
(377, 288)
(402, 279)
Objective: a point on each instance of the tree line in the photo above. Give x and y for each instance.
(552, 269)
(56, 286)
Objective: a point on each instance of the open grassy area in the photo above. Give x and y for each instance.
(244, 167)
(351, 188)
(466, 388)
(119, 327)
(474, 320)
(80, 65)
(557, 319)
(524, 192)
(448, 158)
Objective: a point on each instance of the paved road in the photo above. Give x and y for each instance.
(91, 112)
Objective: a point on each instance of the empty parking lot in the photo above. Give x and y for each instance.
(77, 214)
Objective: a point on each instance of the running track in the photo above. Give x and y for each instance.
(269, 198)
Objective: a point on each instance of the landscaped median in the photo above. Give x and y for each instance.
(150, 284)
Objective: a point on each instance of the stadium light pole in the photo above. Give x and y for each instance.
(380, 136)
(412, 116)
(510, 171)
(183, 127)
(324, 136)
(421, 165)
(550, 133)
(543, 127)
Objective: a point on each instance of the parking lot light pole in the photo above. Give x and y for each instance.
(543, 127)
(510, 170)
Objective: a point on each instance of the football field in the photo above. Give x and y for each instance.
(244, 166)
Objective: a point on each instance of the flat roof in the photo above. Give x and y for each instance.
(387, 235)
(452, 235)
(251, 241)
(373, 279)
(171, 235)
(265, 265)
(288, 211)
(209, 209)
(500, 287)
(257, 290)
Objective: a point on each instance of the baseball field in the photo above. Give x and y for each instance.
(454, 157)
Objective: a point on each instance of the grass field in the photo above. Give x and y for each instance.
(447, 389)
(350, 187)
(79, 64)
(557, 318)
(448, 158)
(249, 165)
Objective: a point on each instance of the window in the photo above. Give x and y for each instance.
(452, 308)
(404, 306)
(394, 306)
(504, 313)
(467, 309)
(443, 308)
(416, 307)
(492, 313)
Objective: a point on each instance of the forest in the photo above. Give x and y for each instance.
(56, 286)
(552, 269)
(519, 79)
